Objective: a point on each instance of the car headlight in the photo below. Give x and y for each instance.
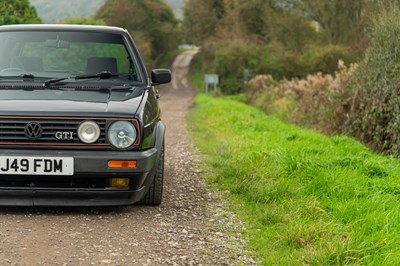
(89, 132)
(122, 134)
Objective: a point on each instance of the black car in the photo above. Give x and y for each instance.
(79, 118)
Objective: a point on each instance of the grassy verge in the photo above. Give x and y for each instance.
(306, 198)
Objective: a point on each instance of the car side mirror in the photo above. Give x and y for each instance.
(160, 76)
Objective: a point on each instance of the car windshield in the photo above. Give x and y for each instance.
(59, 54)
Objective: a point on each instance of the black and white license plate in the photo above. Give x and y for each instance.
(19, 165)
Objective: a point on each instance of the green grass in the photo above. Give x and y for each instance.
(305, 198)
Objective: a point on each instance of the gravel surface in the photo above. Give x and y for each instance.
(191, 227)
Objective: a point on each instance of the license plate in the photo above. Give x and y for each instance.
(36, 165)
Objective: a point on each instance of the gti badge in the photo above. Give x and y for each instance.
(64, 135)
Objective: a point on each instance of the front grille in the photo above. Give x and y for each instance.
(12, 131)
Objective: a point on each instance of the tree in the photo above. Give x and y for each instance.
(83, 21)
(257, 21)
(277, 37)
(340, 21)
(150, 20)
(201, 19)
(18, 12)
(255, 16)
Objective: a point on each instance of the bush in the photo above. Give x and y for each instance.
(265, 93)
(277, 61)
(281, 63)
(231, 60)
(318, 101)
(325, 58)
(375, 112)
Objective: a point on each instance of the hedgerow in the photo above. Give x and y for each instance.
(232, 59)
(374, 117)
(319, 101)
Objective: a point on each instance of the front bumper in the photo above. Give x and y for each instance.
(88, 186)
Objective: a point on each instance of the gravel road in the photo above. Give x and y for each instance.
(191, 227)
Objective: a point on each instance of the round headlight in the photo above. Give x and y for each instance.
(122, 134)
(88, 132)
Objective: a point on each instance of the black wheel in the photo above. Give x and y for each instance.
(155, 192)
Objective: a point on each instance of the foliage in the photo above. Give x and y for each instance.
(280, 63)
(151, 22)
(375, 110)
(277, 38)
(200, 20)
(58, 10)
(232, 59)
(362, 102)
(256, 20)
(306, 199)
(325, 58)
(17, 12)
(195, 73)
(340, 22)
(83, 21)
(293, 32)
(318, 101)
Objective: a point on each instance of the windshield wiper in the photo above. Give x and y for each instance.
(24, 76)
(27, 76)
(101, 75)
(48, 82)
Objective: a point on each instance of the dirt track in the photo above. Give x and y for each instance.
(184, 230)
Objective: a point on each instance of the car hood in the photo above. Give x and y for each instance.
(123, 101)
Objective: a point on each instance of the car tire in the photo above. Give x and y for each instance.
(155, 192)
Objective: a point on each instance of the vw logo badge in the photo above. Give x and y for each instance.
(33, 130)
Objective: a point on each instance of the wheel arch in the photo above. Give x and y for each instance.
(158, 142)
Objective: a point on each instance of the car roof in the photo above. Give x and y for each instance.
(62, 27)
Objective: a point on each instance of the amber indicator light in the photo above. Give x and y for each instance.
(122, 164)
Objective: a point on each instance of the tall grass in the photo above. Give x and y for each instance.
(318, 101)
(306, 198)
